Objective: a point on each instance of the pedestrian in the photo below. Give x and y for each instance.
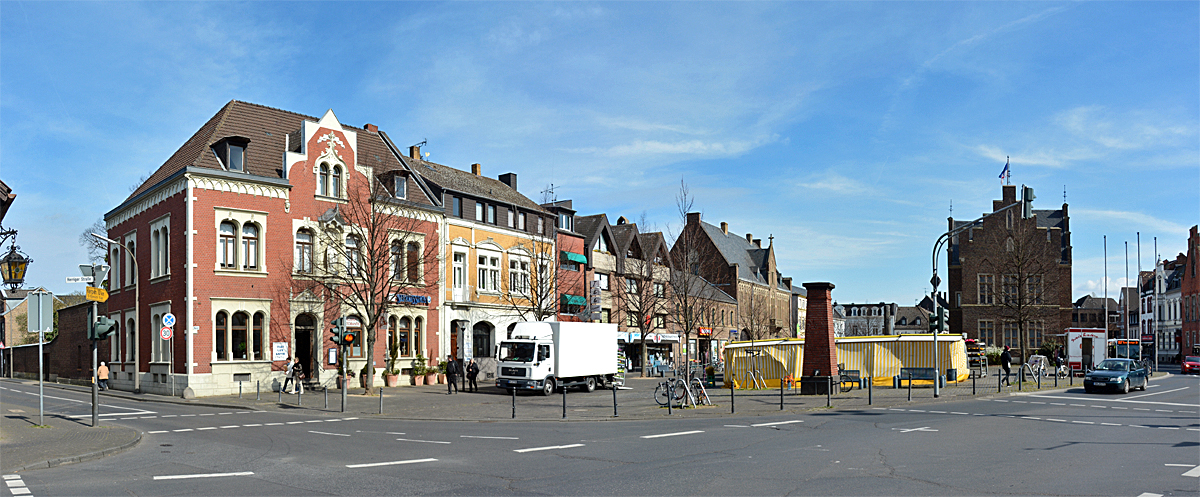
(288, 371)
(1006, 363)
(102, 376)
(298, 375)
(472, 374)
(451, 375)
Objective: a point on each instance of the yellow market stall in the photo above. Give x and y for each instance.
(876, 357)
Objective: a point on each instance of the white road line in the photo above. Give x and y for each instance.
(1019, 402)
(230, 426)
(11, 477)
(182, 430)
(1097, 407)
(1168, 427)
(552, 447)
(1115, 407)
(324, 433)
(1037, 402)
(274, 424)
(1189, 412)
(959, 413)
(490, 438)
(937, 412)
(1193, 429)
(208, 475)
(208, 414)
(223, 413)
(256, 424)
(349, 419)
(422, 441)
(777, 423)
(206, 428)
(1162, 410)
(1057, 404)
(1030, 417)
(1148, 494)
(244, 412)
(1111, 424)
(1179, 465)
(126, 419)
(1138, 426)
(678, 433)
(169, 415)
(998, 400)
(1194, 472)
(20, 491)
(315, 421)
(295, 422)
(1155, 393)
(916, 410)
(186, 415)
(1076, 405)
(1140, 409)
(1057, 420)
(1084, 422)
(15, 483)
(895, 409)
(149, 417)
(1144, 402)
(389, 463)
(737, 426)
(157, 431)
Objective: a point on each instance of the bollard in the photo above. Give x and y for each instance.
(326, 397)
(998, 381)
(614, 388)
(1039, 382)
(300, 396)
(669, 398)
(258, 390)
(279, 398)
(732, 387)
(381, 400)
(1072, 380)
(828, 391)
(910, 386)
(870, 384)
(1056, 378)
(239, 389)
(514, 402)
(973, 377)
(781, 394)
(1020, 379)
(564, 388)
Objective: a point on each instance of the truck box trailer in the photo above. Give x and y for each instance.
(544, 356)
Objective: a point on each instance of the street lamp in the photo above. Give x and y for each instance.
(137, 298)
(13, 267)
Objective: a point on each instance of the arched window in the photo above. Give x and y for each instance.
(418, 343)
(239, 344)
(249, 247)
(228, 241)
(414, 262)
(115, 273)
(404, 338)
(391, 336)
(323, 180)
(259, 338)
(220, 335)
(130, 329)
(353, 256)
(354, 325)
(335, 185)
(397, 261)
(304, 251)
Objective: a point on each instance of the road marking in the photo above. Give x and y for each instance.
(149, 417)
(15, 483)
(1162, 410)
(208, 414)
(206, 428)
(1168, 427)
(1117, 400)
(1076, 405)
(169, 415)
(906, 430)
(1178, 465)
(295, 422)
(693, 432)
(552, 447)
(895, 409)
(1189, 412)
(230, 426)
(1111, 424)
(208, 475)
(960, 413)
(183, 430)
(778, 423)
(1138, 426)
(127, 419)
(1140, 409)
(256, 424)
(244, 412)
(1155, 393)
(19, 491)
(1057, 404)
(349, 419)
(11, 477)
(186, 415)
(490, 438)
(1098, 407)
(998, 400)
(1019, 402)
(937, 412)
(916, 410)
(315, 421)
(1057, 420)
(1037, 402)
(1194, 472)
(1084, 422)
(1030, 417)
(223, 413)
(389, 463)
(324, 433)
(422, 441)
(1115, 407)
(274, 424)
(737, 426)
(1148, 494)
(157, 431)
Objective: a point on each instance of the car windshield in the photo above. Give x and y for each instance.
(1113, 366)
(1192, 358)
(516, 351)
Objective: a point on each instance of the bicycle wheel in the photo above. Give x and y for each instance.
(660, 394)
(700, 393)
(679, 391)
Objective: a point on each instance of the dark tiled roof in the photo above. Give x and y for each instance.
(751, 259)
(448, 178)
(700, 287)
(624, 234)
(1049, 218)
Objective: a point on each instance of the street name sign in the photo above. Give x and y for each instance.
(81, 279)
(97, 294)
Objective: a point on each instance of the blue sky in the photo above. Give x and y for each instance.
(844, 129)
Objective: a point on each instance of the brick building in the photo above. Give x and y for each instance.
(1089, 312)
(1010, 273)
(1189, 297)
(227, 233)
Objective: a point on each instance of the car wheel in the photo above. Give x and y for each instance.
(1087, 390)
(1125, 386)
(1145, 383)
(548, 387)
(589, 385)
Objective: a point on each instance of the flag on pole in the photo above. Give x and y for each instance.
(1005, 174)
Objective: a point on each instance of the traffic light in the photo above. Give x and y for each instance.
(1027, 202)
(348, 337)
(339, 328)
(102, 328)
(934, 325)
(943, 320)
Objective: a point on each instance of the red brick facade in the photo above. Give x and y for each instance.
(820, 352)
(1190, 297)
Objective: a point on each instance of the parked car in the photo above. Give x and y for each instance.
(1191, 365)
(1119, 374)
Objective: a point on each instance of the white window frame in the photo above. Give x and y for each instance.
(129, 259)
(160, 245)
(479, 211)
(602, 281)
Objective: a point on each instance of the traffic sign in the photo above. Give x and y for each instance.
(169, 320)
(97, 294)
(165, 332)
(81, 279)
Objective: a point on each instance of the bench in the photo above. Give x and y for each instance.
(914, 374)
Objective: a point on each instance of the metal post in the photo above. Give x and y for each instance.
(973, 378)
(514, 402)
(614, 389)
(731, 389)
(345, 376)
(1039, 382)
(95, 388)
(910, 386)
(299, 395)
(239, 389)
(41, 373)
(828, 391)
(381, 400)
(669, 396)
(1056, 377)
(870, 388)
(998, 381)
(564, 389)
(781, 394)
(1021, 376)
(1071, 379)
(326, 389)
(257, 389)
(279, 397)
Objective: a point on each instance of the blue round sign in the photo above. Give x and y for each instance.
(169, 320)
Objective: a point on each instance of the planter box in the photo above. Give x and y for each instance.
(418, 380)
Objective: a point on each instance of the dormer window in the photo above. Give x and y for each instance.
(401, 186)
(565, 222)
(232, 153)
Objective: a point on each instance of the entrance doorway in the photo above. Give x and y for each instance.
(305, 328)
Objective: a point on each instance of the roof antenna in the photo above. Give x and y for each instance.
(1064, 194)
(548, 195)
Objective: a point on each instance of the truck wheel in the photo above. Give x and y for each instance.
(589, 385)
(548, 387)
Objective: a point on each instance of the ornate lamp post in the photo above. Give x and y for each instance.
(13, 267)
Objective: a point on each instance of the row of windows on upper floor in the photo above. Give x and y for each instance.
(492, 214)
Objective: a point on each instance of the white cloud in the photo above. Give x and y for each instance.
(834, 182)
(1108, 217)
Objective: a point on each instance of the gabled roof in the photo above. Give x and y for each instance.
(1090, 302)
(751, 259)
(702, 288)
(445, 178)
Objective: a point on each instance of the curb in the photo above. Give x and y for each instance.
(131, 396)
(80, 458)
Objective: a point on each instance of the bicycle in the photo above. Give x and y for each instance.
(698, 392)
(671, 389)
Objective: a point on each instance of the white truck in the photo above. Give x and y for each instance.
(544, 356)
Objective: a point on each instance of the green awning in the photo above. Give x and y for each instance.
(573, 257)
(574, 300)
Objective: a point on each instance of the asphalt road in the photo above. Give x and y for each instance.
(1053, 443)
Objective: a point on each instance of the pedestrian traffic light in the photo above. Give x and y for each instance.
(102, 328)
(943, 320)
(1027, 202)
(934, 325)
(339, 328)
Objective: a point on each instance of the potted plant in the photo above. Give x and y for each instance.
(391, 376)
(442, 372)
(431, 374)
(418, 370)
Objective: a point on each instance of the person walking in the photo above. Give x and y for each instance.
(102, 376)
(1006, 364)
(472, 374)
(451, 375)
(289, 371)
(298, 375)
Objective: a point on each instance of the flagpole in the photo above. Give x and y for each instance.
(1106, 285)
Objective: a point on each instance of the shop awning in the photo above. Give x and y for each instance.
(573, 257)
(574, 300)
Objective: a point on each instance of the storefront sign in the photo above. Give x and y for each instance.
(279, 351)
(704, 332)
(401, 298)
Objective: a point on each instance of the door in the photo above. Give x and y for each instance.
(1087, 353)
(305, 329)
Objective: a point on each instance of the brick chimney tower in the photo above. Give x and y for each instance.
(820, 353)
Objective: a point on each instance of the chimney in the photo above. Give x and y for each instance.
(724, 227)
(888, 322)
(476, 169)
(414, 152)
(757, 242)
(787, 281)
(371, 127)
(820, 353)
(693, 218)
(749, 238)
(509, 179)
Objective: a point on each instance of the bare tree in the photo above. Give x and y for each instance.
(757, 316)
(642, 294)
(530, 291)
(692, 302)
(366, 253)
(1025, 264)
(97, 249)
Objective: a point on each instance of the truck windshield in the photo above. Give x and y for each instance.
(516, 352)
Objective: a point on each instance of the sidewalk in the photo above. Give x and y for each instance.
(26, 446)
